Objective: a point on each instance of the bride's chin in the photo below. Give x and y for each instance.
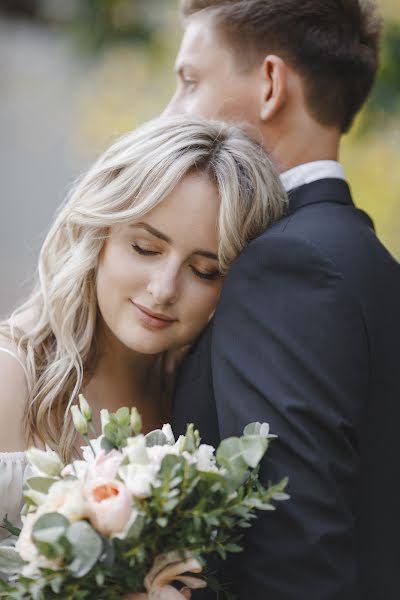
(149, 345)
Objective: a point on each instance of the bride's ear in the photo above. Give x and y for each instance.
(273, 87)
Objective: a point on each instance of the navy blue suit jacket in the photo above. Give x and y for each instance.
(307, 338)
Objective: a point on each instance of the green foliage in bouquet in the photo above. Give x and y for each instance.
(184, 499)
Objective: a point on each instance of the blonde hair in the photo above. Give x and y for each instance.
(131, 178)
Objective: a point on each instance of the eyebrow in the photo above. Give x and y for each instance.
(161, 236)
(153, 231)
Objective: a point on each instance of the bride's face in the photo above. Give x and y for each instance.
(158, 281)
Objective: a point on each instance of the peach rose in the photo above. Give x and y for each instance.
(109, 505)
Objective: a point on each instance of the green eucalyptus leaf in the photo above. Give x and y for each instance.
(156, 438)
(111, 430)
(233, 548)
(108, 554)
(253, 448)
(123, 416)
(171, 468)
(40, 484)
(87, 547)
(48, 535)
(257, 429)
(229, 455)
(10, 560)
(49, 528)
(171, 504)
(100, 579)
(279, 496)
(136, 528)
(106, 444)
(56, 584)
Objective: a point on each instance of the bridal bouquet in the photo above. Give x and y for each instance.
(136, 513)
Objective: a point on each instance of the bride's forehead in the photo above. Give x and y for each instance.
(190, 211)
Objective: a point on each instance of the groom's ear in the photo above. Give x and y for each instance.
(274, 86)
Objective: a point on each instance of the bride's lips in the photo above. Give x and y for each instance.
(151, 319)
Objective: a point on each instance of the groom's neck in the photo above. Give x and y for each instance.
(305, 142)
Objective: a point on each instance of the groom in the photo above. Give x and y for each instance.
(307, 333)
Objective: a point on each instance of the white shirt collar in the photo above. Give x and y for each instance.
(312, 171)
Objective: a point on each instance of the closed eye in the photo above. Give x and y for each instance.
(189, 84)
(213, 276)
(210, 276)
(142, 251)
(185, 78)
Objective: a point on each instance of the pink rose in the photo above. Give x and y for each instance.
(109, 505)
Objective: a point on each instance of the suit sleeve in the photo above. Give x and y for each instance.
(289, 348)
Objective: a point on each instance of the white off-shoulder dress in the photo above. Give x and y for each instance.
(14, 469)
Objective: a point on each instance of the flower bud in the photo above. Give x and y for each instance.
(48, 462)
(136, 421)
(85, 408)
(80, 422)
(105, 418)
(167, 431)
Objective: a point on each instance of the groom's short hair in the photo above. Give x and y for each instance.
(332, 44)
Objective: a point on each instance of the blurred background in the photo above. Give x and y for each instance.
(74, 74)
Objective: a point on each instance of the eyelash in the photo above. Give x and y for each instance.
(188, 81)
(207, 276)
(143, 252)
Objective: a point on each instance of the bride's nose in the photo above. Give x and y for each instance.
(164, 285)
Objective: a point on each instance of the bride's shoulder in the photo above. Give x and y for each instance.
(13, 397)
(23, 322)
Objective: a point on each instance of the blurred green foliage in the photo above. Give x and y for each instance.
(103, 22)
(385, 98)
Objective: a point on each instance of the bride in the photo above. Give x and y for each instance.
(129, 275)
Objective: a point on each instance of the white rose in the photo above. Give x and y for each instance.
(87, 451)
(139, 478)
(25, 546)
(67, 498)
(78, 468)
(136, 451)
(158, 453)
(205, 459)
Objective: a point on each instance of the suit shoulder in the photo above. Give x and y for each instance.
(340, 235)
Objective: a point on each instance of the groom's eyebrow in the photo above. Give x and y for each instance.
(161, 236)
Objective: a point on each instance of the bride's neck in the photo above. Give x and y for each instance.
(122, 377)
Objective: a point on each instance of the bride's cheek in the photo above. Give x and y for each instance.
(205, 305)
